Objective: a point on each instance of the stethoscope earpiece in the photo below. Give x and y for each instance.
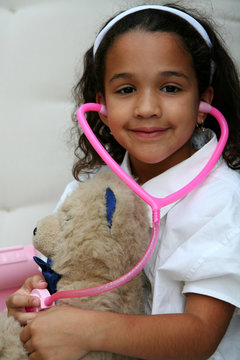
(103, 110)
(204, 107)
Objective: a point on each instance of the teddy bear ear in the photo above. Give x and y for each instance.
(110, 205)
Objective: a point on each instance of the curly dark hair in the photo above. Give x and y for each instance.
(225, 82)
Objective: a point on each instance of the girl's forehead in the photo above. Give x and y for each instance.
(148, 44)
(148, 50)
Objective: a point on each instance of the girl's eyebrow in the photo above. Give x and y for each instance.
(120, 76)
(174, 73)
(164, 74)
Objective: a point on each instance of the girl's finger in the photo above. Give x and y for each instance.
(36, 281)
(24, 318)
(17, 301)
(25, 335)
(28, 346)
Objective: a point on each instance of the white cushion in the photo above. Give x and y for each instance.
(42, 43)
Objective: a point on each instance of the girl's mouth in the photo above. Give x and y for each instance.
(149, 133)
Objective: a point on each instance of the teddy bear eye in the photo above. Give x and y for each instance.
(65, 221)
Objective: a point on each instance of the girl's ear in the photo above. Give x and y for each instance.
(101, 100)
(206, 96)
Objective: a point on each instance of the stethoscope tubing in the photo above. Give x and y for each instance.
(155, 203)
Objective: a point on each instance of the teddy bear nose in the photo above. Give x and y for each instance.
(35, 231)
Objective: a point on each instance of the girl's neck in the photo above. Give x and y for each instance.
(145, 172)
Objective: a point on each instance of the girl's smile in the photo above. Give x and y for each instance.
(152, 98)
(148, 132)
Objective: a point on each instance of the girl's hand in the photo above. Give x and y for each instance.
(58, 333)
(69, 333)
(18, 301)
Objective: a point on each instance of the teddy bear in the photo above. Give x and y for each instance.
(98, 234)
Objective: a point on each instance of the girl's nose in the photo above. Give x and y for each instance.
(147, 106)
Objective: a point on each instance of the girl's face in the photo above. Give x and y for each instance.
(152, 100)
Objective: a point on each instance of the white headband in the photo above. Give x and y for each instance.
(200, 29)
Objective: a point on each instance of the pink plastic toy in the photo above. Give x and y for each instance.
(42, 294)
(155, 203)
(16, 264)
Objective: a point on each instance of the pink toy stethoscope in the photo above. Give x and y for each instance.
(156, 204)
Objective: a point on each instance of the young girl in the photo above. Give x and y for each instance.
(151, 66)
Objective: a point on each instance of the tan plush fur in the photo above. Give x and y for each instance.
(10, 345)
(87, 253)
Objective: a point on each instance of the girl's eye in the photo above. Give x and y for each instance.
(171, 89)
(126, 90)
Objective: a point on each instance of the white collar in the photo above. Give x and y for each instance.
(179, 175)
